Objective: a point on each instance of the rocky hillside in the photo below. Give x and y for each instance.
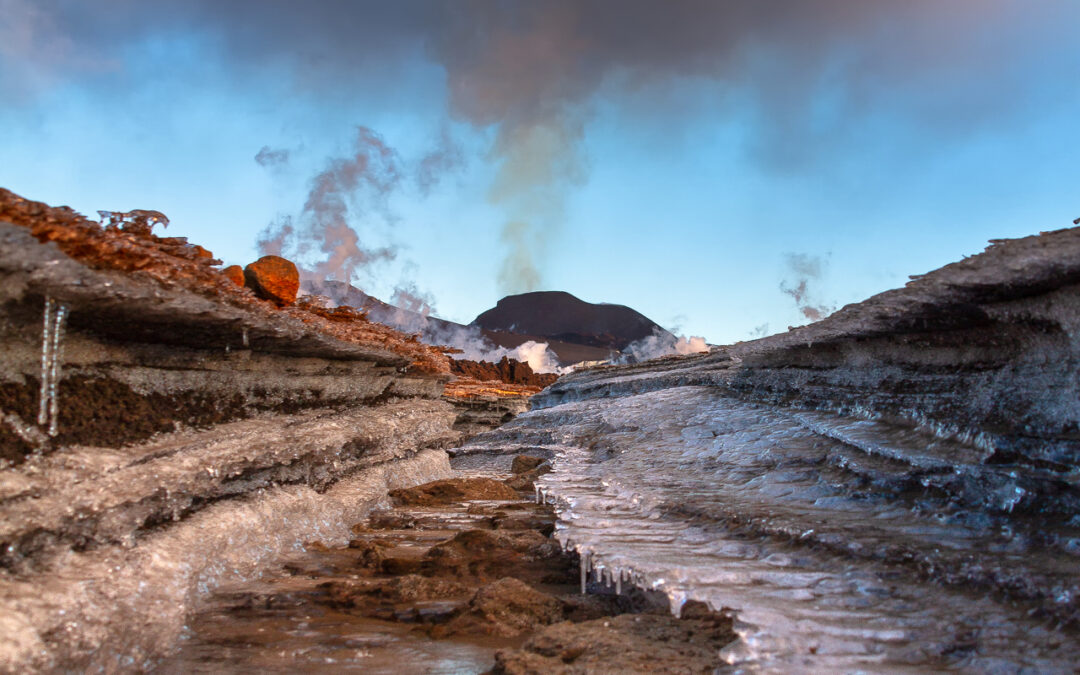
(984, 349)
(893, 488)
(167, 426)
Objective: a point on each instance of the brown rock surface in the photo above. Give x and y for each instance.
(235, 274)
(452, 490)
(484, 554)
(273, 278)
(506, 370)
(628, 643)
(525, 463)
(527, 481)
(369, 594)
(506, 608)
(478, 591)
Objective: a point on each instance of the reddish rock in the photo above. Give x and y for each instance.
(201, 252)
(628, 643)
(452, 490)
(525, 463)
(506, 370)
(484, 554)
(235, 274)
(506, 608)
(273, 278)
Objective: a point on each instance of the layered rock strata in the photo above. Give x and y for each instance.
(895, 486)
(985, 349)
(162, 432)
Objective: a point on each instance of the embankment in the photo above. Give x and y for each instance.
(191, 433)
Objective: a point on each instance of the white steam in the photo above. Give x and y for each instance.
(662, 343)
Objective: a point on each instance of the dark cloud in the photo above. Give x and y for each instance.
(267, 157)
(447, 156)
(811, 71)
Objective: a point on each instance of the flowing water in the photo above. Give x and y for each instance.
(841, 544)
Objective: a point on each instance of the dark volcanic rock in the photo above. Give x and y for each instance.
(273, 278)
(561, 316)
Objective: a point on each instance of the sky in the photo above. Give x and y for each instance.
(727, 168)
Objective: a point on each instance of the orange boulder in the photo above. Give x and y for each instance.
(273, 278)
(235, 273)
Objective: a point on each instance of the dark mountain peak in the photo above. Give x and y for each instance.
(562, 316)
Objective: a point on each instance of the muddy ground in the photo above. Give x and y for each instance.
(461, 575)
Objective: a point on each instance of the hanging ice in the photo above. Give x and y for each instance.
(52, 334)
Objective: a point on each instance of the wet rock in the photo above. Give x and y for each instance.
(235, 274)
(525, 463)
(506, 608)
(369, 554)
(629, 643)
(389, 520)
(368, 593)
(487, 554)
(540, 520)
(527, 480)
(273, 278)
(453, 490)
(401, 565)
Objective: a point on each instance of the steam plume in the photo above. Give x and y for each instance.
(662, 343)
(805, 269)
(347, 190)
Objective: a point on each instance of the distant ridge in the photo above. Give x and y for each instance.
(574, 330)
(558, 315)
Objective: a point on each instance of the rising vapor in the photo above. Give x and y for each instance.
(346, 191)
(804, 270)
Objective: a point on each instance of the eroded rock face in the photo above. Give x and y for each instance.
(194, 433)
(273, 278)
(506, 370)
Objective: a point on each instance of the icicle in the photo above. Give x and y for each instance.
(245, 337)
(46, 351)
(585, 564)
(618, 583)
(539, 495)
(52, 335)
(54, 370)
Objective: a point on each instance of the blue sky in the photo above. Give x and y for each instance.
(668, 156)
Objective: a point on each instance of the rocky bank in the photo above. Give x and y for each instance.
(166, 430)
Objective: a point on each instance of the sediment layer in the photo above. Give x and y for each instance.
(986, 349)
(163, 431)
